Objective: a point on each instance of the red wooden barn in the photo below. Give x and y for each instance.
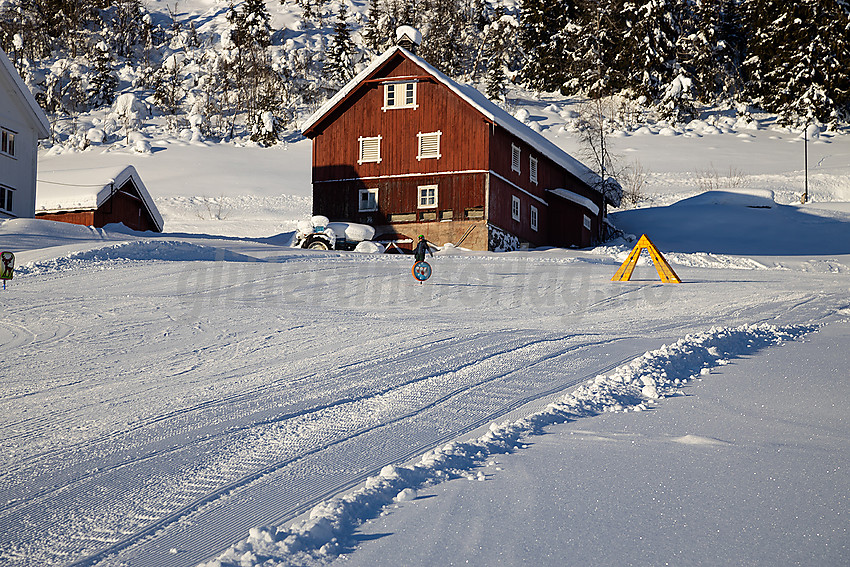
(410, 151)
(97, 197)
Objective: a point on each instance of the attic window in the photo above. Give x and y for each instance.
(400, 95)
(7, 142)
(532, 169)
(429, 145)
(516, 154)
(370, 150)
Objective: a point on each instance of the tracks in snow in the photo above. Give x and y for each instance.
(207, 421)
(429, 388)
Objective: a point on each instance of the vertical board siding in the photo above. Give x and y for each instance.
(126, 209)
(569, 230)
(500, 215)
(463, 142)
(399, 195)
(85, 218)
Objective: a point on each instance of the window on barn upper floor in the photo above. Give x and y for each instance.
(400, 95)
(370, 150)
(7, 142)
(532, 169)
(429, 145)
(516, 155)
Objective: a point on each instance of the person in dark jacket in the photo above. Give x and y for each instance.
(421, 248)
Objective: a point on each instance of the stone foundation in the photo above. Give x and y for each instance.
(437, 233)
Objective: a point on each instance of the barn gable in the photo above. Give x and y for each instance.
(472, 96)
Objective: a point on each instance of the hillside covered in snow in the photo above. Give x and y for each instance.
(215, 70)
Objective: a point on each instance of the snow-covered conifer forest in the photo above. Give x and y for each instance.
(252, 68)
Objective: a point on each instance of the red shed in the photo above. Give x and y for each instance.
(410, 151)
(97, 197)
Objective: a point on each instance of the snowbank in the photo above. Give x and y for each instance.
(135, 251)
(631, 387)
(756, 198)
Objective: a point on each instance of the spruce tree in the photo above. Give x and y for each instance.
(126, 26)
(375, 32)
(101, 88)
(596, 44)
(443, 23)
(169, 90)
(256, 23)
(648, 52)
(548, 36)
(709, 47)
(339, 60)
(499, 50)
(797, 59)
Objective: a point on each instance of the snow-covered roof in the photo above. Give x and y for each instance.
(88, 189)
(410, 33)
(577, 199)
(477, 100)
(40, 121)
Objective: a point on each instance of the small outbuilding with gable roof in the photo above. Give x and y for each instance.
(97, 197)
(410, 151)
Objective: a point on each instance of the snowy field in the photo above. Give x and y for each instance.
(210, 395)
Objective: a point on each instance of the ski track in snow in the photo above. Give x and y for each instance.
(634, 386)
(279, 387)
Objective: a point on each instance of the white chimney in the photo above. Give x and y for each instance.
(408, 38)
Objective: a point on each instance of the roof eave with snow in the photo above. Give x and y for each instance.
(39, 118)
(577, 199)
(474, 98)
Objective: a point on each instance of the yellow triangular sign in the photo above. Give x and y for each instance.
(661, 266)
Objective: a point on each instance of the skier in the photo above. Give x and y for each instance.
(421, 248)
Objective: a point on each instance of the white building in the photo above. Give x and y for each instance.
(22, 124)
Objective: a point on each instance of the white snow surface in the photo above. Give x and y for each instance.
(212, 396)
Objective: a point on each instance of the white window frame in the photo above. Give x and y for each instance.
(515, 208)
(516, 157)
(428, 144)
(371, 200)
(7, 142)
(400, 94)
(588, 222)
(427, 197)
(532, 169)
(533, 217)
(6, 200)
(366, 153)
